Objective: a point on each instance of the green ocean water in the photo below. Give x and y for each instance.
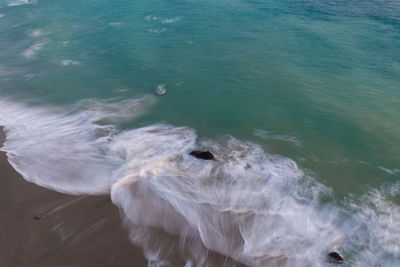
(322, 73)
(314, 81)
(327, 74)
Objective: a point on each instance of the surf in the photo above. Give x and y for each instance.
(256, 208)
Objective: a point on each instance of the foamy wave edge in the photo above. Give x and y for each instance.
(256, 208)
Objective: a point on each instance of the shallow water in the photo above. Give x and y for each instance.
(298, 100)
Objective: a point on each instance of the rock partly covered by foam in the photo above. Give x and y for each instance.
(206, 155)
(335, 257)
(160, 90)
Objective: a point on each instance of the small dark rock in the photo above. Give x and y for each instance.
(206, 155)
(335, 257)
(38, 217)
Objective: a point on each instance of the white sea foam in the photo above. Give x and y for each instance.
(390, 171)
(1, 15)
(107, 112)
(32, 50)
(160, 89)
(35, 33)
(121, 91)
(256, 208)
(21, 2)
(65, 151)
(171, 20)
(150, 17)
(68, 62)
(374, 228)
(56, 150)
(117, 23)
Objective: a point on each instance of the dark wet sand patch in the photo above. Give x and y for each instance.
(40, 227)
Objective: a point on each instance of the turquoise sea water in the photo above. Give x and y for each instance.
(312, 84)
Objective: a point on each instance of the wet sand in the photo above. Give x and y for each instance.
(70, 230)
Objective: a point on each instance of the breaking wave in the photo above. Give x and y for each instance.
(256, 208)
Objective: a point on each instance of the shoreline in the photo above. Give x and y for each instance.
(47, 228)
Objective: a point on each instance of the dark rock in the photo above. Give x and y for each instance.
(206, 155)
(335, 257)
(38, 217)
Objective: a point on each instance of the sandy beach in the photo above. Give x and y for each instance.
(46, 228)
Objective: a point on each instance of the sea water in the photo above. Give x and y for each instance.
(298, 100)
